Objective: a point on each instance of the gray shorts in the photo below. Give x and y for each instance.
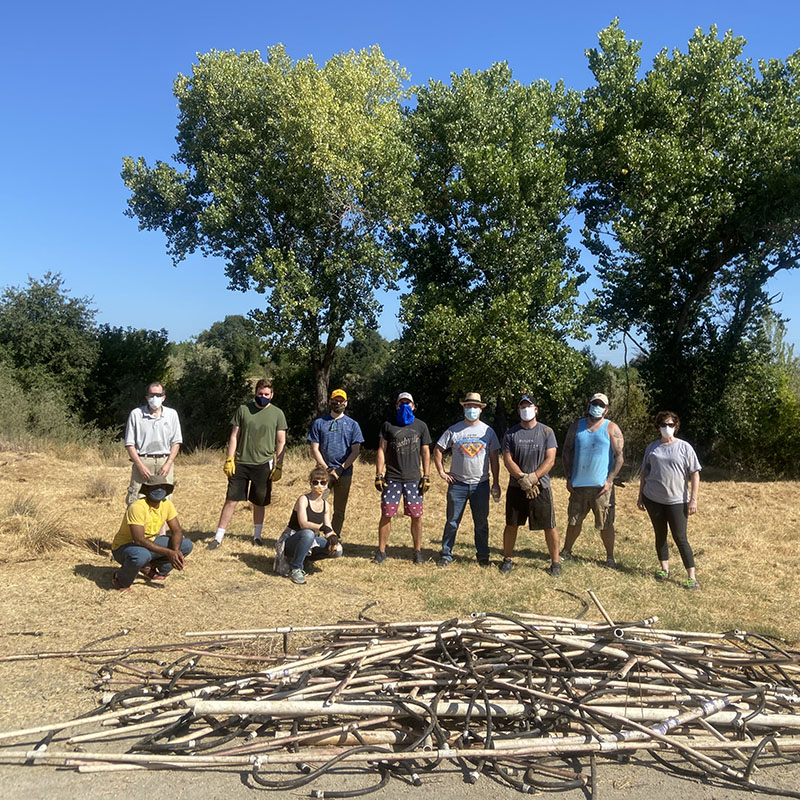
(585, 499)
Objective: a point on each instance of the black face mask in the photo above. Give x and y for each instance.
(262, 401)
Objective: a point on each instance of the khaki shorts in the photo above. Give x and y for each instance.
(585, 499)
(154, 464)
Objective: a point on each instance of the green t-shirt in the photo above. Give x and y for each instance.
(258, 428)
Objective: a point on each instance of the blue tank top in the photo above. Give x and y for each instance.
(593, 458)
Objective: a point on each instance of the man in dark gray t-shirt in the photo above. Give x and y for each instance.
(529, 453)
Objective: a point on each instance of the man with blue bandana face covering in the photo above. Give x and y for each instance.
(475, 449)
(139, 546)
(403, 443)
(593, 456)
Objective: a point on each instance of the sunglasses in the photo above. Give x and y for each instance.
(156, 394)
(598, 403)
(319, 483)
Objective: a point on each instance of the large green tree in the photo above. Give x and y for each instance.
(689, 177)
(48, 336)
(290, 172)
(494, 284)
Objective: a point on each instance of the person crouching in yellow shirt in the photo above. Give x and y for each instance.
(138, 546)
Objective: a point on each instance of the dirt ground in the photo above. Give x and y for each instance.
(746, 539)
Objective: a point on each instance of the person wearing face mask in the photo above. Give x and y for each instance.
(152, 438)
(335, 441)
(475, 449)
(529, 453)
(668, 485)
(254, 459)
(403, 443)
(139, 545)
(593, 456)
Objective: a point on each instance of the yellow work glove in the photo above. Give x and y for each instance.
(229, 468)
(380, 483)
(276, 474)
(424, 484)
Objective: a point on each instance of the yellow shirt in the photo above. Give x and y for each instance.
(149, 517)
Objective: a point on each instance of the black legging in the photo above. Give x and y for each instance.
(675, 516)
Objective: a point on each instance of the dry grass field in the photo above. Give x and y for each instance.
(59, 512)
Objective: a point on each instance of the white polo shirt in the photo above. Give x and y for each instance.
(150, 435)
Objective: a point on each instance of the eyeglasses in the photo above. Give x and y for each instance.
(319, 483)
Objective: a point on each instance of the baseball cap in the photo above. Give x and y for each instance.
(599, 396)
(404, 396)
(339, 393)
(526, 398)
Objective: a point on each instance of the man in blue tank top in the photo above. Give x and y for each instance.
(593, 456)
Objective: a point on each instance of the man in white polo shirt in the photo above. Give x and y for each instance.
(152, 439)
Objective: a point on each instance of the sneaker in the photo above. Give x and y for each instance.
(483, 562)
(379, 557)
(554, 570)
(691, 584)
(213, 544)
(610, 563)
(661, 575)
(258, 541)
(565, 556)
(418, 558)
(152, 574)
(443, 562)
(117, 585)
(297, 576)
(505, 566)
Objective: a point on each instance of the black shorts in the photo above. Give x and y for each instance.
(538, 513)
(251, 482)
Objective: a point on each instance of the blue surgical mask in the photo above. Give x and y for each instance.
(262, 401)
(158, 494)
(471, 414)
(405, 414)
(596, 411)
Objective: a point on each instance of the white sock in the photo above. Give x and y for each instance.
(257, 530)
(220, 534)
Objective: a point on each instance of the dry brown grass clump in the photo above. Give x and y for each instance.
(201, 456)
(34, 526)
(101, 486)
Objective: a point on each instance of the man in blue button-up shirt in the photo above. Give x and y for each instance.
(335, 441)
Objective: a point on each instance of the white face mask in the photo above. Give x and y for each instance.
(155, 402)
(667, 431)
(528, 413)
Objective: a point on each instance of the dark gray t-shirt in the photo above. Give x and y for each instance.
(528, 448)
(403, 446)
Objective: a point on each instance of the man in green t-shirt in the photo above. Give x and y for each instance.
(254, 459)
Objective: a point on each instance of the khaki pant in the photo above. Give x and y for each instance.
(154, 464)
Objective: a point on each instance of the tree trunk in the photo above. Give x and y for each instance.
(322, 374)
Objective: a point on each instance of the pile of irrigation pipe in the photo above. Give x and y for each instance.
(528, 700)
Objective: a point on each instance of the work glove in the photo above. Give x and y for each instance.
(424, 484)
(229, 467)
(524, 482)
(276, 474)
(333, 476)
(533, 492)
(380, 483)
(333, 543)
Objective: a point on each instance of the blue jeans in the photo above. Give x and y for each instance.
(457, 496)
(133, 557)
(300, 543)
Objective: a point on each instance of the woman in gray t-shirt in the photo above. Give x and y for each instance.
(668, 484)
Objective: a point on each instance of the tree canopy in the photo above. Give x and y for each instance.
(689, 178)
(493, 282)
(291, 173)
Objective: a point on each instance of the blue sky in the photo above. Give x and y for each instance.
(87, 83)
